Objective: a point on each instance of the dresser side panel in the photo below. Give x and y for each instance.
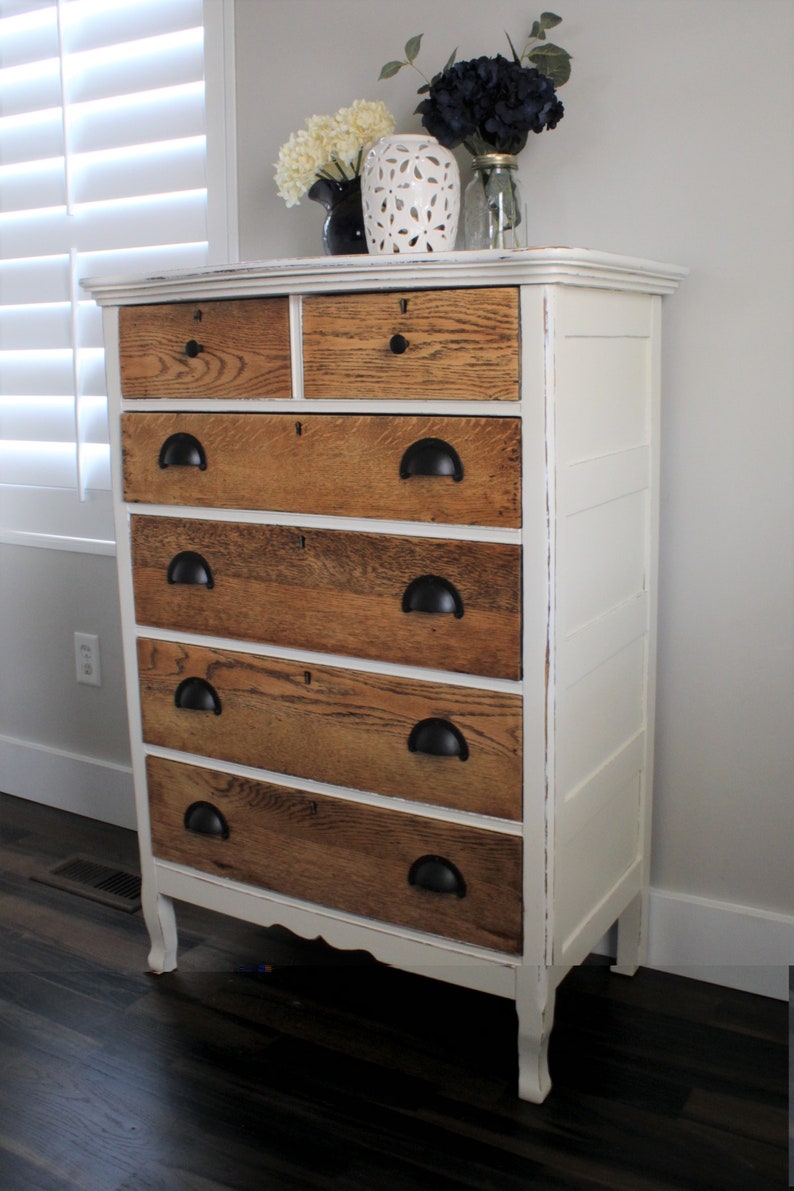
(606, 415)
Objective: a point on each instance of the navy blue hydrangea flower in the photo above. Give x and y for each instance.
(489, 104)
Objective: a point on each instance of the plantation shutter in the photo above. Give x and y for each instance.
(102, 171)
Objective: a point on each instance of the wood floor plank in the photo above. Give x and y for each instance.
(268, 1062)
(24, 1167)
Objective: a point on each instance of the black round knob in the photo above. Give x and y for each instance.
(192, 348)
(398, 344)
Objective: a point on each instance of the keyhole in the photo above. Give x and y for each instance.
(197, 316)
(403, 305)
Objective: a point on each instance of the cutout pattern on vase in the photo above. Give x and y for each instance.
(410, 190)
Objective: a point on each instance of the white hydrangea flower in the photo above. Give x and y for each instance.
(330, 146)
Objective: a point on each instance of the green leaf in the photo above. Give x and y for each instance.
(537, 30)
(423, 90)
(553, 62)
(412, 47)
(451, 59)
(549, 19)
(390, 69)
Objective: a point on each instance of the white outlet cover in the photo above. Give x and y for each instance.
(86, 659)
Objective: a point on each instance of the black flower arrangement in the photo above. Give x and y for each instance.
(490, 105)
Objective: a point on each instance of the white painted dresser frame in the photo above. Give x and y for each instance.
(589, 404)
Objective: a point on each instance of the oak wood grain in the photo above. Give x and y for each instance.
(462, 345)
(338, 465)
(340, 853)
(333, 591)
(335, 725)
(245, 349)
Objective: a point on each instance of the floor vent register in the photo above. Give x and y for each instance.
(116, 887)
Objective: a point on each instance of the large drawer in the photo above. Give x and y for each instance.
(235, 348)
(464, 471)
(423, 741)
(417, 345)
(451, 605)
(458, 881)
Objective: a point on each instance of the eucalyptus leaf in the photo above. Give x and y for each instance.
(390, 70)
(552, 61)
(549, 19)
(412, 47)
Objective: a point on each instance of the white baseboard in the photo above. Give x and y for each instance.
(722, 943)
(719, 942)
(83, 785)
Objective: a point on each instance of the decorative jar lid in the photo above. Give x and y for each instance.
(490, 161)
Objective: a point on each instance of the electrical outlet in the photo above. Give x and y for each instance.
(86, 659)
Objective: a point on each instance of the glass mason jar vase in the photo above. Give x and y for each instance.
(492, 203)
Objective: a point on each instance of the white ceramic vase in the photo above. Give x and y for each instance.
(410, 190)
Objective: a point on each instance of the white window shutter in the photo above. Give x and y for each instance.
(102, 171)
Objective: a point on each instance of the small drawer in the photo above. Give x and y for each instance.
(235, 348)
(450, 605)
(456, 345)
(464, 471)
(422, 741)
(458, 881)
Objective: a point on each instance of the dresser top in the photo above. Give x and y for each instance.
(530, 266)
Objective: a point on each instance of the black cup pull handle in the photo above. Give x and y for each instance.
(431, 457)
(398, 344)
(183, 450)
(202, 818)
(438, 738)
(190, 568)
(429, 593)
(437, 875)
(192, 348)
(196, 694)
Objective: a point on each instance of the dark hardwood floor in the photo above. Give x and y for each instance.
(326, 1070)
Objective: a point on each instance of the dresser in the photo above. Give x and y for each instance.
(387, 550)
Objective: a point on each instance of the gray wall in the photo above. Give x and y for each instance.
(676, 145)
(61, 743)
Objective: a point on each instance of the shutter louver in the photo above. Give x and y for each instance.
(102, 171)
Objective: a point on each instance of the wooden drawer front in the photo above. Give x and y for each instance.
(332, 591)
(339, 853)
(210, 349)
(440, 344)
(323, 463)
(367, 731)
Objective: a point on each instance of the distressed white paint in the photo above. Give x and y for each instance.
(589, 405)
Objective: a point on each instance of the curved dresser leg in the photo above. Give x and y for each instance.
(158, 913)
(535, 1012)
